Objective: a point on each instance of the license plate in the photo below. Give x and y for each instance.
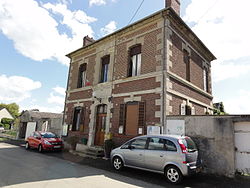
(57, 146)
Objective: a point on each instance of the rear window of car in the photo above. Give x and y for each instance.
(190, 145)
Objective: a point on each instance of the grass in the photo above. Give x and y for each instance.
(2, 139)
(10, 133)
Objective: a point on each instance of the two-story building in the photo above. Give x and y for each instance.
(136, 77)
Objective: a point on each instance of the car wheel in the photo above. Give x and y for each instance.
(117, 163)
(27, 146)
(40, 148)
(173, 175)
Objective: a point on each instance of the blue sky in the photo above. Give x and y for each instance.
(35, 35)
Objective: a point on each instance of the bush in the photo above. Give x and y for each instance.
(7, 121)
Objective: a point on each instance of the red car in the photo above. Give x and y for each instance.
(44, 141)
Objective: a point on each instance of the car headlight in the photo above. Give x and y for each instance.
(47, 142)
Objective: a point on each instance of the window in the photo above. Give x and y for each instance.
(104, 69)
(170, 146)
(135, 61)
(186, 59)
(139, 143)
(82, 76)
(156, 144)
(205, 78)
(78, 118)
(132, 116)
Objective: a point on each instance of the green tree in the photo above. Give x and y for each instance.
(13, 108)
(219, 109)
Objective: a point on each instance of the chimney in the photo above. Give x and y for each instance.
(87, 40)
(174, 4)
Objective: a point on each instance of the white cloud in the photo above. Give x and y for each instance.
(100, 2)
(34, 30)
(109, 28)
(57, 96)
(97, 2)
(16, 88)
(59, 90)
(226, 70)
(240, 104)
(223, 28)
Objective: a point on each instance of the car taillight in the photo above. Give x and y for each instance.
(183, 147)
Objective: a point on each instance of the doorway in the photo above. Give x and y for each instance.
(101, 116)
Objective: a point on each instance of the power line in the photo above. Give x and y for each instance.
(207, 11)
(136, 12)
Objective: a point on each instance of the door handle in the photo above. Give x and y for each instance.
(161, 155)
(140, 154)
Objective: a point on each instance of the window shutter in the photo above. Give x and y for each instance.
(122, 117)
(72, 116)
(193, 111)
(82, 117)
(183, 109)
(188, 110)
(141, 119)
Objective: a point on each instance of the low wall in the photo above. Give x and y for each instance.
(214, 136)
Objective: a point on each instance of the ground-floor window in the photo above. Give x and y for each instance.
(78, 118)
(132, 117)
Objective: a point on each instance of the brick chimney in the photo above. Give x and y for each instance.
(174, 4)
(87, 40)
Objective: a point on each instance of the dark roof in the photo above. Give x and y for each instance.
(41, 115)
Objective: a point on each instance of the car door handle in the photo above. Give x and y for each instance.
(140, 154)
(161, 155)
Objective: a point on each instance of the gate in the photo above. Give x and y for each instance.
(242, 147)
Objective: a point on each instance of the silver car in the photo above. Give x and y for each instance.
(172, 155)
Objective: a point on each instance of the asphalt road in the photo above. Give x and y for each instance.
(21, 168)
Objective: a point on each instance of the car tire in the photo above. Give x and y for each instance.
(40, 148)
(117, 163)
(173, 174)
(27, 146)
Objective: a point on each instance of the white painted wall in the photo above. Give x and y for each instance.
(31, 127)
(5, 114)
(175, 127)
(242, 147)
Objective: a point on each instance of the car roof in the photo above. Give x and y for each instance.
(162, 136)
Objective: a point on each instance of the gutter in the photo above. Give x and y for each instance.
(164, 65)
(66, 95)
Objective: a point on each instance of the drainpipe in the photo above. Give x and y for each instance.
(66, 95)
(164, 83)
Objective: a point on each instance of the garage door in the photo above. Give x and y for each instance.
(242, 147)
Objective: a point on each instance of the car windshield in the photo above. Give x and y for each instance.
(190, 145)
(48, 135)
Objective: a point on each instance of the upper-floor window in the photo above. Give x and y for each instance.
(135, 61)
(186, 59)
(205, 79)
(104, 69)
(82, 76)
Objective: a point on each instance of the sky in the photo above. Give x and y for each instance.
(35, 36)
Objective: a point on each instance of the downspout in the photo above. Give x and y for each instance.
(164, 65)
(66, 96)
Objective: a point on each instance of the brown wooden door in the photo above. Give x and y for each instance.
(100, 129)
(132, 119)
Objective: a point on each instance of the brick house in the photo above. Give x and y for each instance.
(136, 77)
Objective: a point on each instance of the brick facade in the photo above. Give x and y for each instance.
(147, 88)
